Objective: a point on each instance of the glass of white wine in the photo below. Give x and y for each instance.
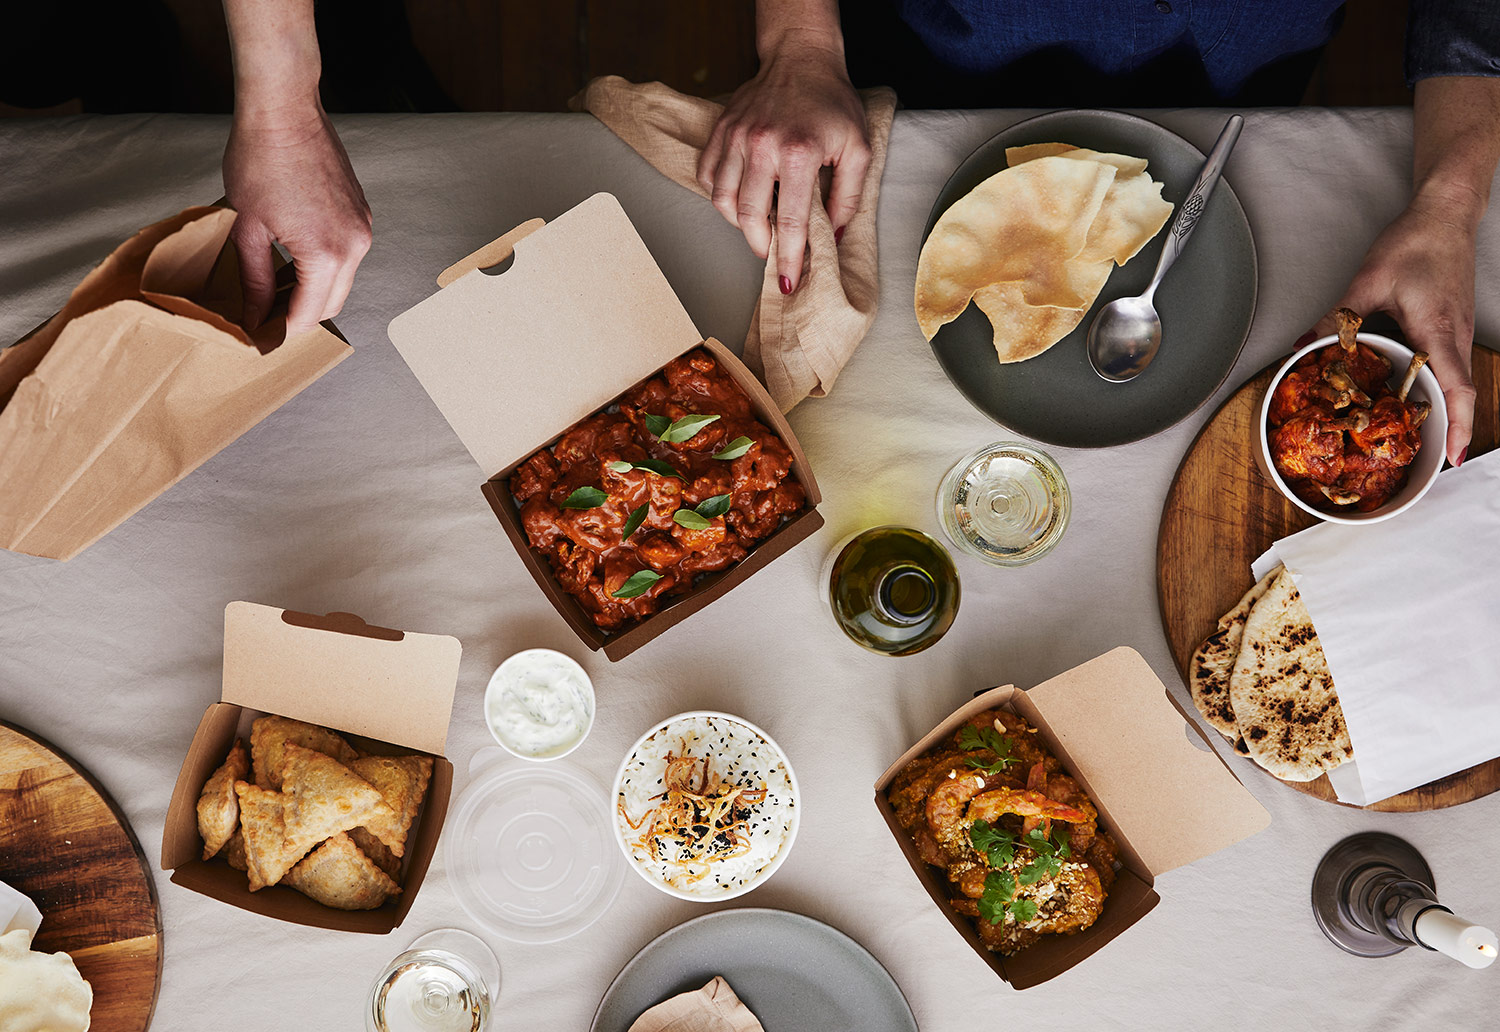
(442, 983)
(1006, 503)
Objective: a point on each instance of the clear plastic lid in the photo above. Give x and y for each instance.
(531, 853)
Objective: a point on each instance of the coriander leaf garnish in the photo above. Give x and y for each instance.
(638, 583)
(682, 429)
(1060, 836)
(1023, 910)
(585, 498)
(999, 890)
(714, 507)
(734, 449)
(997, 844)
(1041, 867)
(691, 520)
(634, 520)
(657, 424)
(975, 738)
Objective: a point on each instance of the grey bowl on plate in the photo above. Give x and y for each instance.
(1206, 302)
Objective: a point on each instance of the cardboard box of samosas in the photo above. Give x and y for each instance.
(1118, 733)
(541, 329)
(340, 721)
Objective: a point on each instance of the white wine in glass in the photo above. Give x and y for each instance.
(440, 984)
(1007, 504)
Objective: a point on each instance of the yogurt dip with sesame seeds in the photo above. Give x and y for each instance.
(738, 753)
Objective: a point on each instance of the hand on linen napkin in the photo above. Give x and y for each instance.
(797, 343)
(714, 1008)
(1406, 611)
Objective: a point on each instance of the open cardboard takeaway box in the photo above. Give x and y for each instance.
(1166, 801)
(388, 692)
(515, 358)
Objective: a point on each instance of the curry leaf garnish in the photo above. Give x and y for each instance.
(691, 520)
(657, 424)
(683, 429)
(714, 507)
(619, 466)
(656, 466)
(638, 583)
(734, 449)
(974, 738)
(634, 520)
(585, 498)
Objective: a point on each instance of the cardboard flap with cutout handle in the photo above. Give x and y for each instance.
(342, 673)
(515, 358)
(1130, 744)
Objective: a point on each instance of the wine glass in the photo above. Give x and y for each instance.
(441, 983)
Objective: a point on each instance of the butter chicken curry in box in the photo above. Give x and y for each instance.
(640, 470)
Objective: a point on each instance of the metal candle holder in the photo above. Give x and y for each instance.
(1368, 892)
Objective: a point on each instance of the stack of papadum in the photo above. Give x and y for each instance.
(1262, 681)
(318, 816)
(1034, 244)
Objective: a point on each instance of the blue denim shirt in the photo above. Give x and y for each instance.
(1233, 38)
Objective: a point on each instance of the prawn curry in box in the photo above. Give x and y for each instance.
(640, 470)
(1038, 820)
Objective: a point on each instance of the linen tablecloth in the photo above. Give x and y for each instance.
(357, 496)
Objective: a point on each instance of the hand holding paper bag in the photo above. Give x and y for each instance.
(143, 376)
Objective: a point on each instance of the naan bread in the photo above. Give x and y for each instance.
(402, 782)
(1208, 677)
(338, 875)
(262, 820)
(323, 798)
(40, 992)
(218, 806)
(1282, 693)
(1020, 225)
(377, 851)
(269, 735)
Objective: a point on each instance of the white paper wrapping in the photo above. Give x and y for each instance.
(1407, 612)
(17, 911)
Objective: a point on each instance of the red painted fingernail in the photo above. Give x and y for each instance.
(1306, 339)
(838, 234)
(786, 285)
(1461, 456)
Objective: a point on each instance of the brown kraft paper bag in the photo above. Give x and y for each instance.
(143, 376)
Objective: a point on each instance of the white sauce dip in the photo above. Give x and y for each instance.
(539, 704)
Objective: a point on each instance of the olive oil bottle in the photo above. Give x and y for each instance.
(893, 590)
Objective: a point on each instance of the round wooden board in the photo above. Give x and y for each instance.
(1221, 514)
(65, 843)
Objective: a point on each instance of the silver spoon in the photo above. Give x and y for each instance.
(1124, 336)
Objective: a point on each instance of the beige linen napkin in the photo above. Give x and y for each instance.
(714, 1008)
(797, 343)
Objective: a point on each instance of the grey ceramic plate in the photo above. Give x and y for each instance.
(1206, 302)
(793, 972)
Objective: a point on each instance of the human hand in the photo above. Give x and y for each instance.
(799, 113)
(291, 182)
(1421, 271)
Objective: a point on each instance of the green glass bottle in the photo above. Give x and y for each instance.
(893, 590)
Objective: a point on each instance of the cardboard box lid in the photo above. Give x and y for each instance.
(1178, 800)
(338, 671)
(513, 359)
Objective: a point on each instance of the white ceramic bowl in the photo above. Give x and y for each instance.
(623, 831)
(1423, 470)
(498, 678)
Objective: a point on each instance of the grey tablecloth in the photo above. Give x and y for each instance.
(357, 496)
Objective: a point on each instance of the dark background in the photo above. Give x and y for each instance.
(64, 57)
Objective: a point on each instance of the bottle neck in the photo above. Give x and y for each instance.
(905, 594)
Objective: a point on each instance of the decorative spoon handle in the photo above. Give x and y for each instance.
(1197, 199)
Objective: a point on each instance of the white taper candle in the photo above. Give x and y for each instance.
(1469, 944)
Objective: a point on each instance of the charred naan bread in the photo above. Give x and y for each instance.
(262, 819)
(1281, 692)
(337, 874)
(218, 806)
(323, 798)
(1208, 678)
(402, 782)
(269, 736)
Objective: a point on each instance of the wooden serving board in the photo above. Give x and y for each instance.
(65, 843)
(1221, 514)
